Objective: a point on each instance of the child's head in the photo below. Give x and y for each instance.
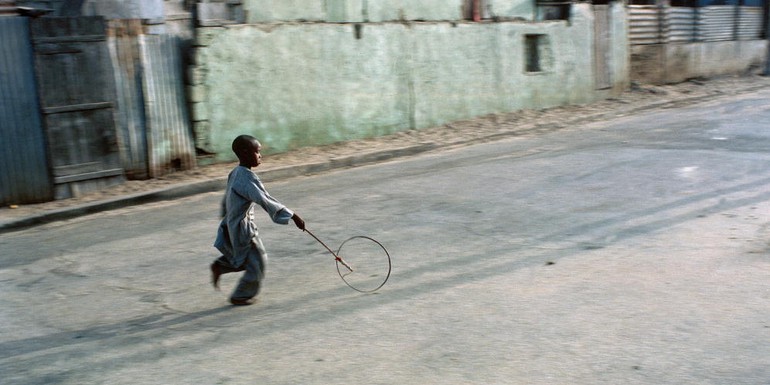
(247, 149)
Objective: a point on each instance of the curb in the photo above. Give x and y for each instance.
(188, 189)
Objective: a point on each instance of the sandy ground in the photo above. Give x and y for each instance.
(486, 128)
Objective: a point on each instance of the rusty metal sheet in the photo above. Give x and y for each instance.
(7, 7)
(127, 66)
(169, 133)
(155, 133)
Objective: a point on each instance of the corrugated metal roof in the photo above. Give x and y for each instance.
(7, 7)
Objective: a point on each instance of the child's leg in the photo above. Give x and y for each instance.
(222, 266)
(223, 263)
(249, 285)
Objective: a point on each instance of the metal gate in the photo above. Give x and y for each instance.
(602, 65)
(77, 96)
(24, 176)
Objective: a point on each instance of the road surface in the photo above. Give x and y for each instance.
(631, 251)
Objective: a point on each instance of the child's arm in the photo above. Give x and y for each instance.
(255, 191)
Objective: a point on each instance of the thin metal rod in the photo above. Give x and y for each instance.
(336, 257)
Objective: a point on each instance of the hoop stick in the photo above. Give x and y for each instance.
(336, 257)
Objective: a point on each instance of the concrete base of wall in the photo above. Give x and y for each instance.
(674, 63)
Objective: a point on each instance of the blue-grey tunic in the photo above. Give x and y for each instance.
(237, 235)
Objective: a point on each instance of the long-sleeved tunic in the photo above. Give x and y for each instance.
(237, 232)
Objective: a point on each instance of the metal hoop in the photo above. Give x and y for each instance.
(347, 271)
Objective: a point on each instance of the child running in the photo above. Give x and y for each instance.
(237, 237)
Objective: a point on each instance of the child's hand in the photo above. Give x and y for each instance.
(299, 222)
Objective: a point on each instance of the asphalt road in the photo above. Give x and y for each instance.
(632, 251)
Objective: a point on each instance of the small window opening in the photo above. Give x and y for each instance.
(358, 30)
(553, 9)
(532, 45)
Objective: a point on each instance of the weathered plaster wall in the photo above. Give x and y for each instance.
(620, 56)
(389, 10)
(508, 9)
(125, 9)
(262, 11)
(283, 10)
(673, 63)
(299, 84)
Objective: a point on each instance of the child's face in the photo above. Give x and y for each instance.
(253, 157)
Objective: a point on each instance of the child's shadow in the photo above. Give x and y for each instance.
(122, 329)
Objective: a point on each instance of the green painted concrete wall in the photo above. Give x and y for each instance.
(261, 11)
(507, 9)
(301, 84)
(264, 11)
(620, 56)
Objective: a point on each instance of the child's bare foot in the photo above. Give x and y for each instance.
(216, 272)
(243, 302)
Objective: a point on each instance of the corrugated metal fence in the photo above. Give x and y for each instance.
(646, 25)
(681, 24)
(24, 173)
(169, 134)
(155, 133)
(750, 23)
(658, 24)
(151, 129)
(127, 69)
(716, 23)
